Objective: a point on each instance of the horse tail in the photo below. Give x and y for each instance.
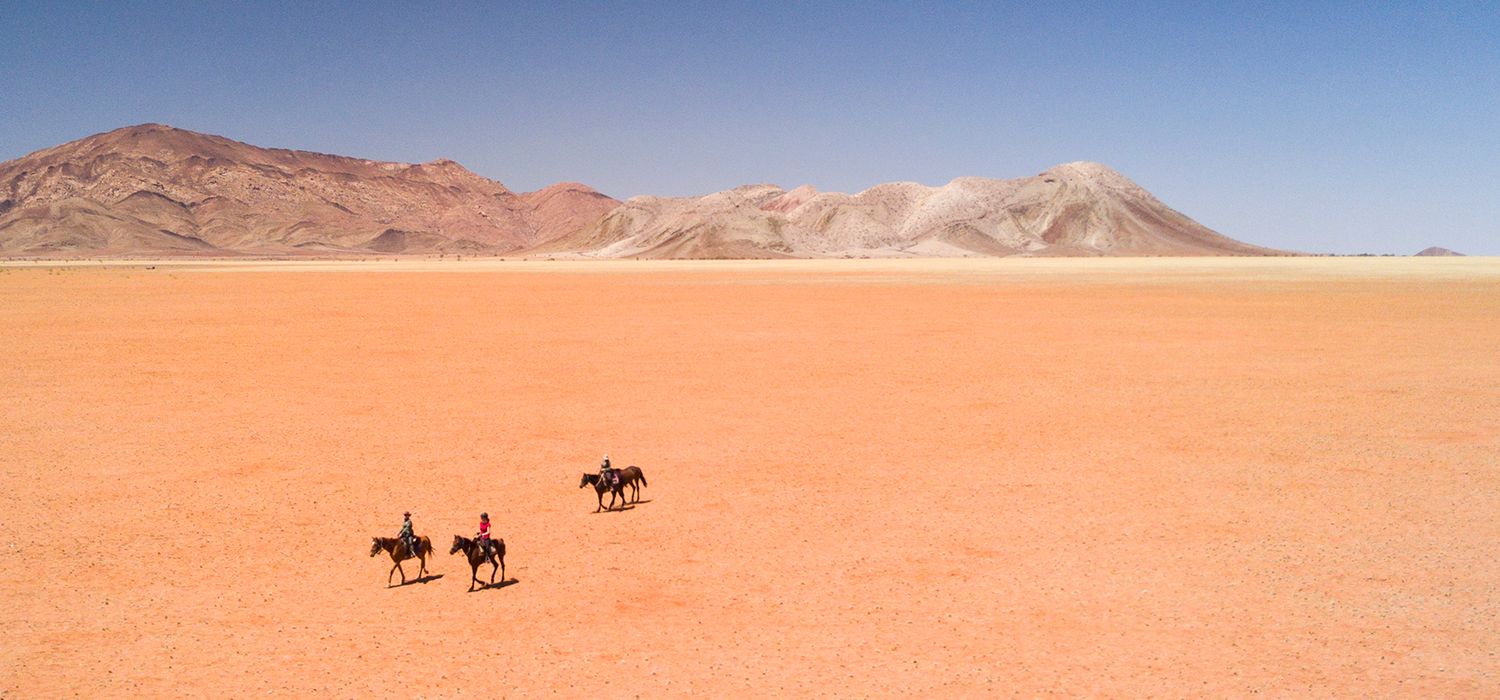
(642, 475)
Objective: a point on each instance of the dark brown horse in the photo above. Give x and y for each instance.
(474, 550)
(629, 477)
(397, 549)
(633, 478)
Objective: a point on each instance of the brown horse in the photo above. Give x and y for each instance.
(474, 550)
(397, 549)
(633, 478)
(628, 477)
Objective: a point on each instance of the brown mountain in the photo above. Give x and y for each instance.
(1071, 209)
(157, 190)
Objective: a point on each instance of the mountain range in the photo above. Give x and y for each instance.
(154, 190)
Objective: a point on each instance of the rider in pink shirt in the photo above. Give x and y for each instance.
(484, 532)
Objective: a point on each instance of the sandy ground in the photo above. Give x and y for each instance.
(1202, 478)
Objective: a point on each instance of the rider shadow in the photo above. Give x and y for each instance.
(422, 579)
(488, 586)
(616, 509)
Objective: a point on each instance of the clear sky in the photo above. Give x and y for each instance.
(1316, 126)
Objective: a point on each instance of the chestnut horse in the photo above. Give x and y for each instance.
(474, 550)
(628, 477)
(397, 549)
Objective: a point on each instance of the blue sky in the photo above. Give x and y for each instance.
(1325, 127)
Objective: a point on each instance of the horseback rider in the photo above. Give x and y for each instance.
(607, 474)
(484, 533)
(407, 537)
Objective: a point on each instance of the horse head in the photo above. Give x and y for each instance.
(458, 543)
(375, 548)
(587, 479)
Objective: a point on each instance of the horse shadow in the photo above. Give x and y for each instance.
(502, 584)
(616, 509)
(421, 579)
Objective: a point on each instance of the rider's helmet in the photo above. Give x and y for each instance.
(407, 514)
(484, 516)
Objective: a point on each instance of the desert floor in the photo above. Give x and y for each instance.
(1165, 478)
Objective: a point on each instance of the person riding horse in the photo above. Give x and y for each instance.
(607, 474)
(407, 537)
(484, 533)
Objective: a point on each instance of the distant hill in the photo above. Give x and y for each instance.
(1437, 252)
(154, 190)
(1072, 209)
(158, 190)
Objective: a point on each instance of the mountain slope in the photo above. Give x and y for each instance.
(154, 189)
(1071, 209)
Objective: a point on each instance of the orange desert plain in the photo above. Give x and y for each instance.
(971, 478)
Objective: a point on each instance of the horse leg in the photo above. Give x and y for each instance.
(600, 494)
(392, 573)
(493, 567)
(473, 575)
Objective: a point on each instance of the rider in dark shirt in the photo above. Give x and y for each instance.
(408, 538)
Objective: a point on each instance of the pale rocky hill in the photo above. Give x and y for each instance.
(1072, 209)
(1435, 251)
(157, 190)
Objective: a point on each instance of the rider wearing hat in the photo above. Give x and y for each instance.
(607, 474)
(408, 538)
